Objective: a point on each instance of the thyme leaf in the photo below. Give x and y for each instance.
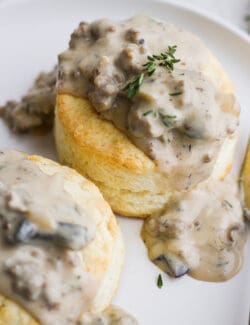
(154, 112)
(164, 59)
(159, 281)
(167, 119)
(134, 85)
(147, 113)
(226, 202)
(176, 93)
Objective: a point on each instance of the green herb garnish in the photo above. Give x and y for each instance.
(167, 120)
(176, 93)
(226, 202)
(165, 59)
(147, 113)
(150, 66)
(154, 112)
(134, 85)
(247, 18)
(159, 281)
(167, 116)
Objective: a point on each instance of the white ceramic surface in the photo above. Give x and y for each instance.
(32, 33)
(232, 10)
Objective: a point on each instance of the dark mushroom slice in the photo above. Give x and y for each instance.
(66, 235)
(14, 228)
(172, 264)
(71, 236)
(192, 133)
(235, 232)
(25, 232)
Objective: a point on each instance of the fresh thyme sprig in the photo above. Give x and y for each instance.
(134, 85)
(167, 119)
(164, 59)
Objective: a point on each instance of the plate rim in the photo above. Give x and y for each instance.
(213, 17)
(210, 16)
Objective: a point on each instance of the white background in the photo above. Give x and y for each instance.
(232, 10)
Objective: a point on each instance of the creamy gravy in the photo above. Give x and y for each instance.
(201, 232)
(42, 232)
(175, 117)
(36, 108)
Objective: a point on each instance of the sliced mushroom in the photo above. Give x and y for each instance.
(71, 236)
(25, 232)
(235, 232)
(192, 132)
(172, 264)
(66, 235)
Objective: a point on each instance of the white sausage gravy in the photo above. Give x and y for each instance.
(152, 80)
(42, 232)
(177, 115)
(201, 232)
(36, 108)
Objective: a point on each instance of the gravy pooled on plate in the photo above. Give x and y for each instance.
(201, 232)
(36, 108)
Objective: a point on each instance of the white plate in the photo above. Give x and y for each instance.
(32, 33)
